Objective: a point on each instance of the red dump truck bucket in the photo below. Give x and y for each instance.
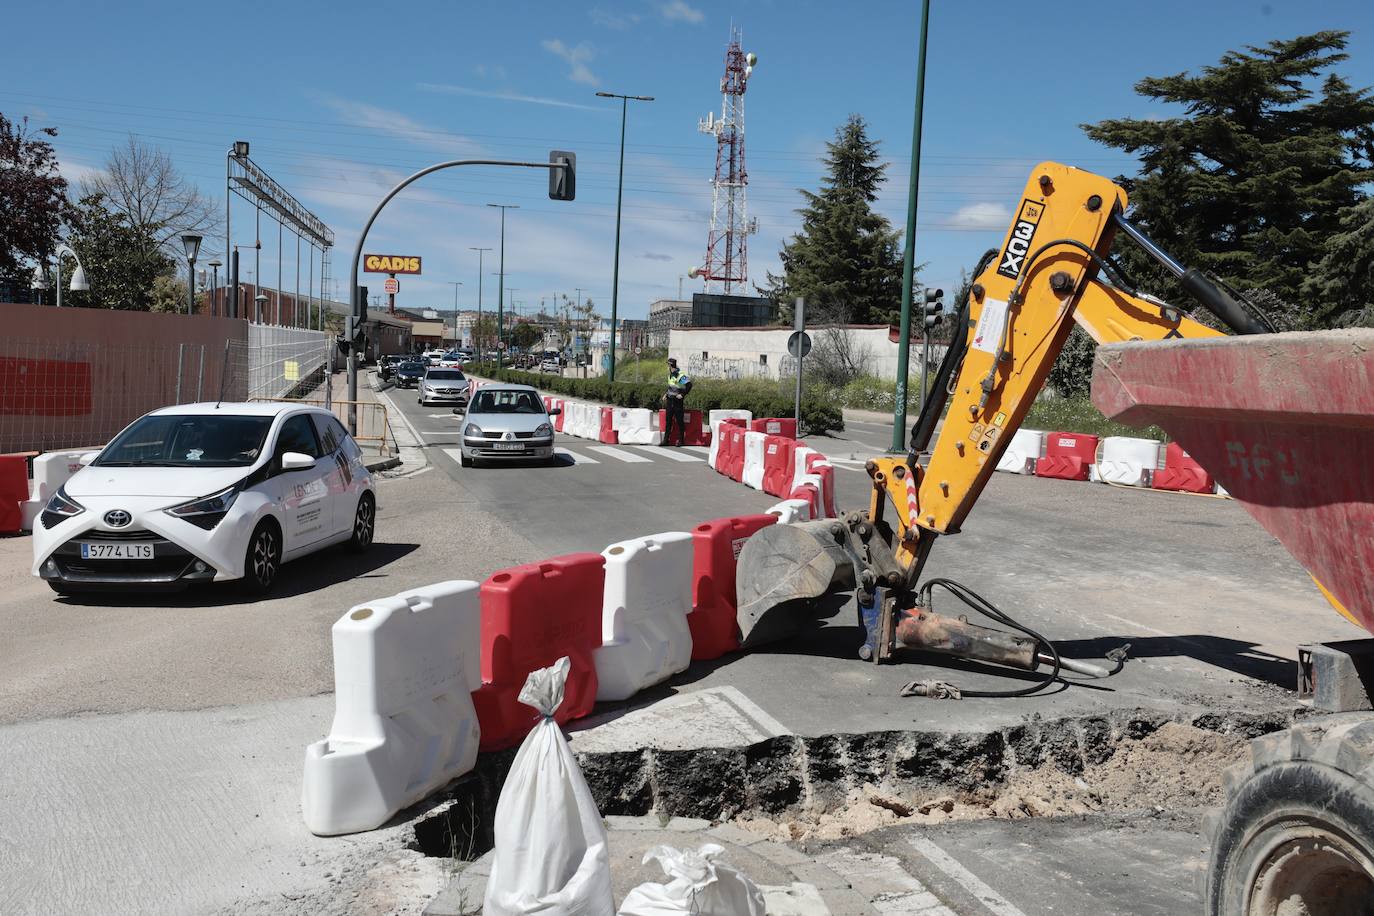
(1285, 422)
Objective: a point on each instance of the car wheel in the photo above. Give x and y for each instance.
(364, 524)
(263, 559)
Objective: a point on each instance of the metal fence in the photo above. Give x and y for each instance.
(57, 394)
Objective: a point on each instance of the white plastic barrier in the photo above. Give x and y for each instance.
(645, 603)
(754, 445)
(715, 416)
(404, 724)
(1025, 449)
(714, 449)
(585, 420)
(791, 510)
(50, 471)
(1127, 460)
(636, 426)
(799, 472)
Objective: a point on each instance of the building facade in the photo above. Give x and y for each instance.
(762, 352)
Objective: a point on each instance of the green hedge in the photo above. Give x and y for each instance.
(762, 400)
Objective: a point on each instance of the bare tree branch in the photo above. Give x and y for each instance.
(141, 182)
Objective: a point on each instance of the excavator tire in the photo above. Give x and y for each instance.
(1296, 834)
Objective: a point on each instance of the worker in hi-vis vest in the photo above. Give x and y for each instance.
(678, 387)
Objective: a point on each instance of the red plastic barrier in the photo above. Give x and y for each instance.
(778, 454)
(1068, 456)
(734, 468)
(737, 421)
(809, 493)
(1181, 472)
(558, 420)
(820, 466)
(608, 435)
(776, 426)
(694, 433)
(716, 546)
(14, 489)
(533, 615)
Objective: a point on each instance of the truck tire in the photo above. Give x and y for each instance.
(1296, 834)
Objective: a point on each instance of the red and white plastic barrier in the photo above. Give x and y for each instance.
(14, 492)
(713, 417)
(1068, 456)
(50, 471)
(1182, 473)
(1126, 461)
(1023, 452)
(404, 723)
(790, 511)
(606, 430)
(647, 598)
(716, 547)
(636, 426)
(754, 444)
(778, 452)
(775, 426)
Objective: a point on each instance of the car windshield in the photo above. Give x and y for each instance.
(446, 375)
(505, 402)
(172, 440)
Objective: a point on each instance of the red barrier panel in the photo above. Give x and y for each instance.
(14, 489)
(1181, 472)
(737, 421)
(533, 615)
(821, 467)
(608, 435)
(809, 493)
(694, 433)
(558, 420)
(716, 546)
(776, 426)
(1068, 456)
(734, 469)
(778, 454)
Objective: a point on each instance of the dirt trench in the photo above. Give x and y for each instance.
(840, 785)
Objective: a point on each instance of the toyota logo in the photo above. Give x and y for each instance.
(117, 518)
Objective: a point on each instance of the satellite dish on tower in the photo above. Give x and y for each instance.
(751, 58)
(694, 272)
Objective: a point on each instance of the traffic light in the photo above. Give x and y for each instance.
(933, 307)
(563, 181)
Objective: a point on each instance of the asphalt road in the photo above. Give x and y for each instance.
(155, 745)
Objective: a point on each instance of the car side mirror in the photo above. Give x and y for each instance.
(86, 459)
(296, 461)
(458, 411)
(555, 411)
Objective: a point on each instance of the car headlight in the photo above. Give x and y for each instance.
(207, 511)
(543, 430)
(473, 430)
(59, 508)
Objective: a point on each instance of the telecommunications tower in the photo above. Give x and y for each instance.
(726, 244)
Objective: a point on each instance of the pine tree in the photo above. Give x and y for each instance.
(1253, 180)
(1340, 289)
(845, 261)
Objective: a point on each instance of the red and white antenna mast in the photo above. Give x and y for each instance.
(726, 244)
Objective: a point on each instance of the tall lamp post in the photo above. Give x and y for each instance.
(191, 243)
(261, 300)
(78, 284)
(501, 289)
(480, 354)
(215, 265)
(619, 194)
(456, 284)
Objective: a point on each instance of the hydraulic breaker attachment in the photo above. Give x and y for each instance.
(790, 576)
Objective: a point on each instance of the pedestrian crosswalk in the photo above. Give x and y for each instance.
(645, 454)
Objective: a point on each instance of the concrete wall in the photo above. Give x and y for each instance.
(762, 352)
(74, 377)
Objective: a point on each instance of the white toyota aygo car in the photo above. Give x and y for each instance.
(203, 492)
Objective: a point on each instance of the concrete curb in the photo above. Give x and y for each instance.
(382, 464)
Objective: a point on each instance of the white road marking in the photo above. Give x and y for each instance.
(438, 432)
(577, 458)
(442, 416)
(699, 449)
(970, 882)
(610, 451)
(672, 454)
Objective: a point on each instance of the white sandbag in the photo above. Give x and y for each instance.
(550, 856)
(699, 885)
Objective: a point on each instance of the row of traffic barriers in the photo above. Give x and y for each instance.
(21, 500)
(765, 455)
(621, 425)
(1120, 460)
(427, 678)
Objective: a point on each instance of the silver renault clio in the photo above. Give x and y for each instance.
(505, 422)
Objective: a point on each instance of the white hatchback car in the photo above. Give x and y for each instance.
(203, 492)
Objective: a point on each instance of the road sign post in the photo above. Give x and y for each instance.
(799, 344)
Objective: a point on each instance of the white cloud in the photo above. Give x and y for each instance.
(577, 57)
(981, 216)
(77, 174)
(503, 95)
(611, 20)
(679, 11)
(361, 114)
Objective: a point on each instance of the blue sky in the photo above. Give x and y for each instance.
(341, 100)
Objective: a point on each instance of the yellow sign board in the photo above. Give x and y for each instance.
(391, 264)
(292, 371)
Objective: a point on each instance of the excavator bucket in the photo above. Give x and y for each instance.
(789, 577)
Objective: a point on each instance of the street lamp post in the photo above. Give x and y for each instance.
(214, 282)
(78, 284)
(501, 289)
(191, 243)
(478, 335)
(261, 300)
(456, 284)
(619, 195)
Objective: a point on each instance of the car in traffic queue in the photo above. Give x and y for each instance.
(450, 360)
(443, 386)
(433, 356)
(206, 492)
(408, 375)
(505, 422)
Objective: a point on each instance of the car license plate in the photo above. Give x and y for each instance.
(508, 446)
(116, 551)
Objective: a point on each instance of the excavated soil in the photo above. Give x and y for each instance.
(840, 785)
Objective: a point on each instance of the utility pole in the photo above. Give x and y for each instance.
(501, 293)
(456, 284)
(619, 196)
(899, 431)
(480, 353)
